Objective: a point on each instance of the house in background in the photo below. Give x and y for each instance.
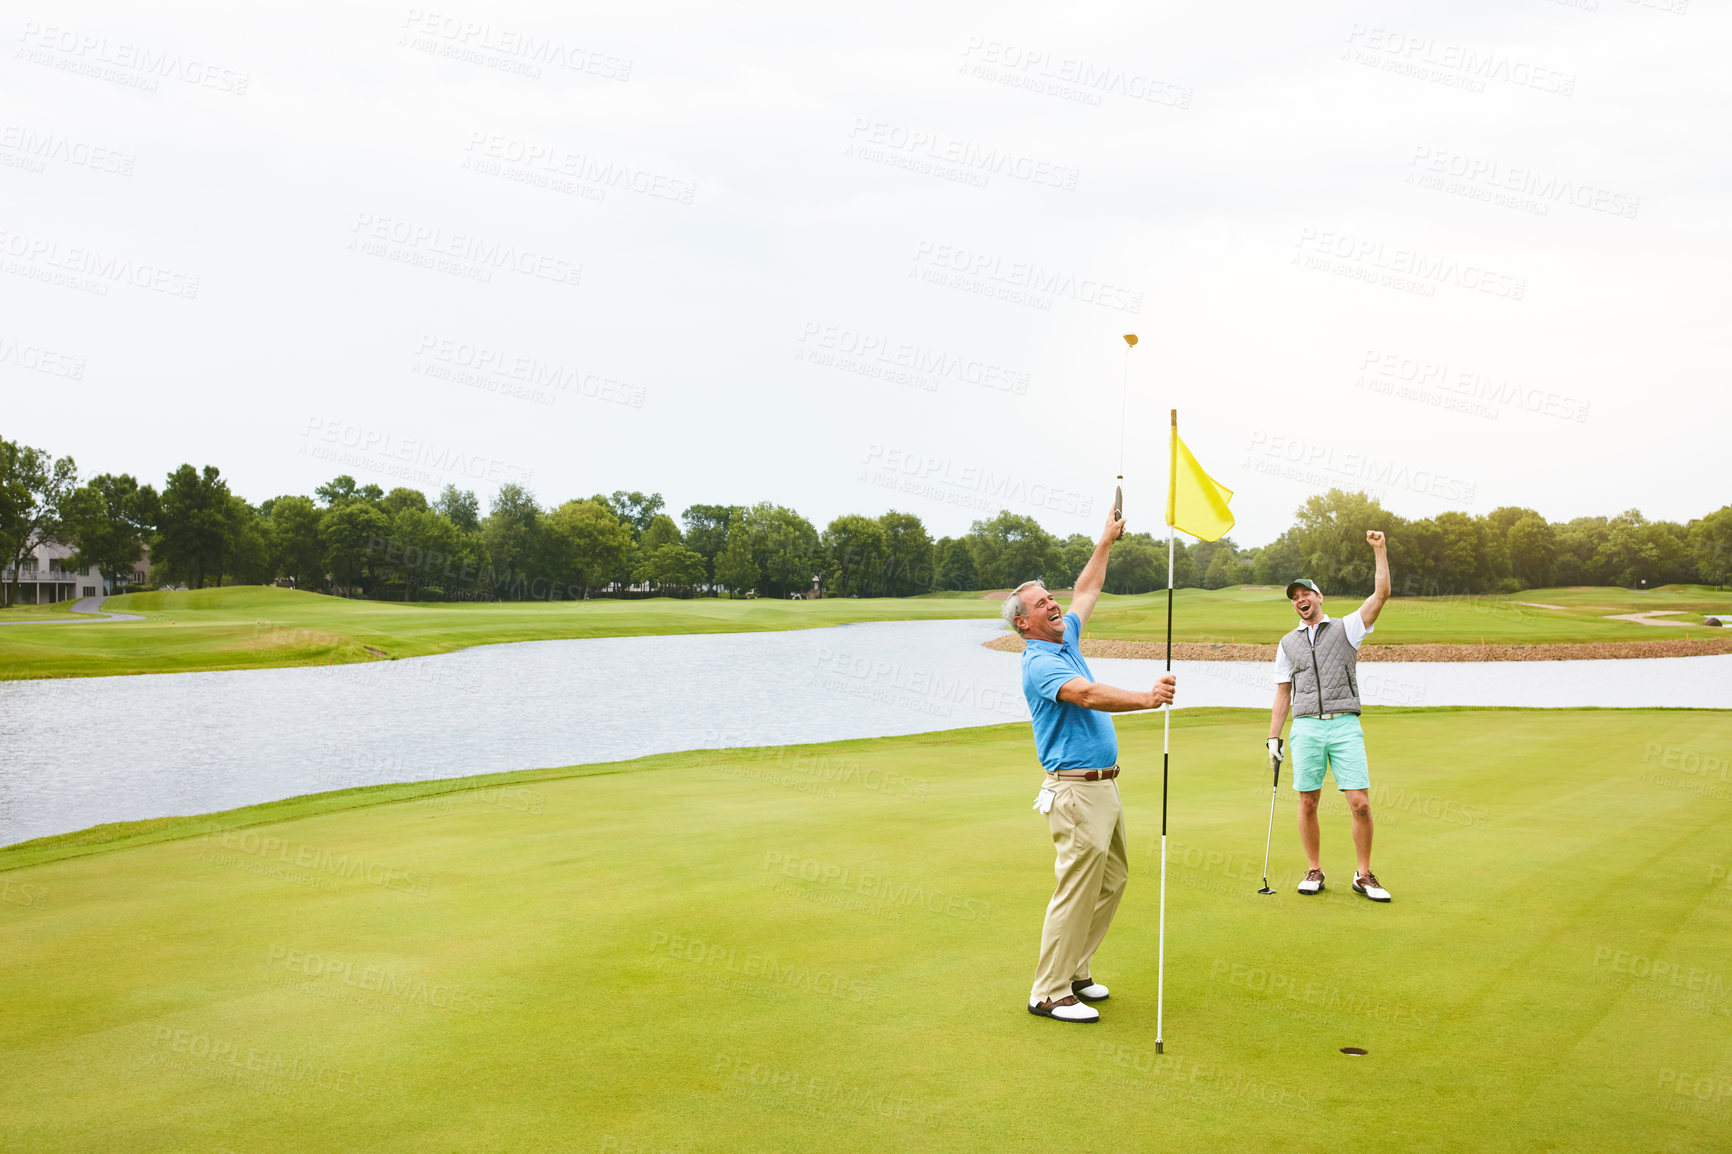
(46, 577)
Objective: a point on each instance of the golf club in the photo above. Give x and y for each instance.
(1124, 394)
(1274, 788)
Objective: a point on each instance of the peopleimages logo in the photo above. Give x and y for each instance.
(922, 366)
(1021, 277)
(928, 474)
(462, 253)
(1372, 257)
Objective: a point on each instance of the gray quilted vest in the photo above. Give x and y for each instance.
(1331, 662)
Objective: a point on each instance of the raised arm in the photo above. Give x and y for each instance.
(1094, 575)
(1374, 604)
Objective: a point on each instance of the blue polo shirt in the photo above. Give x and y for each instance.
(1066, 736)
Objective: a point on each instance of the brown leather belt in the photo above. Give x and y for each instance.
(1088, 774)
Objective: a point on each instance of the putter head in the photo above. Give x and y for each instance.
(1265, 889)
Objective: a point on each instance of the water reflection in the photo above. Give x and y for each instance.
(77, 752)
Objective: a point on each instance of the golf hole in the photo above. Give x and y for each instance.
(1355, 1051)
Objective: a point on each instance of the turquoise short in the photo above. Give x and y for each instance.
(1337, 745)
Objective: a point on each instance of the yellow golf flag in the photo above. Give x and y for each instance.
(1196, 502)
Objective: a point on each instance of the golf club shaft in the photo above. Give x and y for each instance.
(1124, 400)
(1270, 836)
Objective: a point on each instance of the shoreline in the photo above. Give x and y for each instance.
(1241, 651)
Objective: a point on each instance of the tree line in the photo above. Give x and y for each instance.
(360, 541)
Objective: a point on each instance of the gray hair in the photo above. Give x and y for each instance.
(1013, 606)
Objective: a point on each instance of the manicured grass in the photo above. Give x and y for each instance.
(252, 627)
(1263, 615)
(32, 612)
(829, 949)
(249, 627)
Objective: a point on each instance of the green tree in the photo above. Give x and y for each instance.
(1711, 546)
(353, 533)
(460, 507)
(1137, 564)
(420, 548)
(1278, 562)
(907, 555)
(297, 552)
(1010, 549)
(106, 522)
(855, 552)
(33, 487)
(660, 531)
(246, 555)
(400, 498)
(1330, 536)
(1223, 570)
(515, 542)
(590, 542)
(634, 508)
(1579, 560)
(1073, 553)
(953, 565)
(670, 566)
(736, 567)
(1636, 551)
(771, 549)
(341, 489)
(1499, 562)
(1532, 546)
(707, 532)
(195, 526)
(1459, 562)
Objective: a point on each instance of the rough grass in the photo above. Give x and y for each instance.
(828, 948)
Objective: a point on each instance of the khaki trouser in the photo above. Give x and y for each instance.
(1088, 833)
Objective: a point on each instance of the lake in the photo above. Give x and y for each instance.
(77, 752)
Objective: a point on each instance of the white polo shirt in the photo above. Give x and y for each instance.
(1357, 631)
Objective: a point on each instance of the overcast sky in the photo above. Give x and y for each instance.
(862, 257)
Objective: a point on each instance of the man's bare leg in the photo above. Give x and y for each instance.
(1359, 801)
(1309, 835)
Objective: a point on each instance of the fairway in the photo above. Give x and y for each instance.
(253, 627)
(1576, 615)
(829, 948)
(257, 627)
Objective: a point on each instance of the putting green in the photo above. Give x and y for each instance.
(829, 948)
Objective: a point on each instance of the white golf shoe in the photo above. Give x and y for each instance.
(1366, 883)
(1312, 882)
(1065, 1010)
(1090, 990)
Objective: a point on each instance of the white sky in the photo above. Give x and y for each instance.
(298, 159)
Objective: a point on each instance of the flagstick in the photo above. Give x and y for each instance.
(1166, 746)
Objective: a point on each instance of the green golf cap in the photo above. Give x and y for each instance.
(1304, 582)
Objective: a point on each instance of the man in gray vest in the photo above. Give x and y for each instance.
(1317, 680)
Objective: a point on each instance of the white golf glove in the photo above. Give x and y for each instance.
(1277, 754)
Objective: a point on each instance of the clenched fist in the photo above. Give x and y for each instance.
(1162, 693)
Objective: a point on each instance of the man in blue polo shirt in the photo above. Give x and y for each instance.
(1079, 751)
